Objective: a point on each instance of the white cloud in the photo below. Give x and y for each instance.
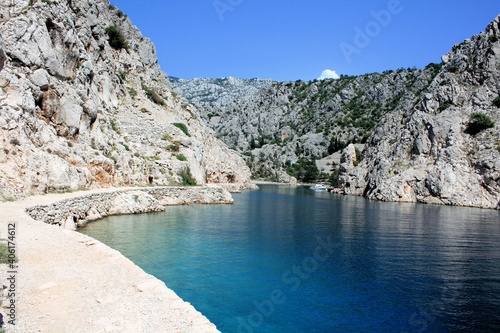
(328, 74)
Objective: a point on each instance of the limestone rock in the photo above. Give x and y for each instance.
(40, 78)
(424, 153)
(134, 202)
(350, 180)
(277, 124)
(77, 113)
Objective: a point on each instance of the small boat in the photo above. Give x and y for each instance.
(318, 187)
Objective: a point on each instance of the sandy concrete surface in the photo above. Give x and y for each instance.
(68, 282)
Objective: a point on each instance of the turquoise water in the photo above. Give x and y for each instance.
(292, 260)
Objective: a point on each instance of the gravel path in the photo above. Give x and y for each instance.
(69, 282)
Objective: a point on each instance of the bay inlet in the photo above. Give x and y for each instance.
(285, 259)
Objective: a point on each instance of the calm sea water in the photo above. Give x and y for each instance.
(292, 260)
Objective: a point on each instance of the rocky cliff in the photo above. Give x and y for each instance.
(214, 96)
(433, 152)
(85, 104)
(412, 126)
(286, 125)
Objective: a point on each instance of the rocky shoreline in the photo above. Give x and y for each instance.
(77, 212)
(68, 282)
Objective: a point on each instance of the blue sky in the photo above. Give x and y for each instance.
(288, 40)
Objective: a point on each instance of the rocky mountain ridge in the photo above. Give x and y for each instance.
(410, 127)
(85, 104)
(214, 95)
(290, 123)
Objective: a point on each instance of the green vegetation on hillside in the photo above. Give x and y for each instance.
(341, 112)
(166, 137)
(305, 170)
(31, 2)
(358, 157)
(496, 102)
(182, 127)
(302, 121)
(153, 95)
(478, 122)
(115, 38)
(187, 178)
(181, 157)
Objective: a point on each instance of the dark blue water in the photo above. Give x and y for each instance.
(293, 260)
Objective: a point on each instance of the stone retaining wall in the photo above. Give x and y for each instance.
(77, 212)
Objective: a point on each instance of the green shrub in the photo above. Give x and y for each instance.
(305, 170)
(120, 13)
(187, 178)
(181, 157)
(496, 101)
(478, 122)
(132, 92)
(182, 127)
(31, 2)
(358, 157)
(434, 66)
(445, 105)
(453, 68)
(114, 126)
(7, 198)
(153, 95)
(335, 145)
(334, 177)
(174, 147)
(166, 137)
(115, 38)
(122, 76)
(493, 39)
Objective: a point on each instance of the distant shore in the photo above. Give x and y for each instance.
(266, 182)
(65, 281)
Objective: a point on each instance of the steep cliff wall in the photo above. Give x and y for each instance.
(84, 104)
(429, 153)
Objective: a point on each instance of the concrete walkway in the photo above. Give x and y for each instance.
(68, 282)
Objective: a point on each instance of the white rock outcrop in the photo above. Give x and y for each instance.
(76, 112)
(426, 153)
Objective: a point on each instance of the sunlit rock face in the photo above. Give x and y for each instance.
(79, 110)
